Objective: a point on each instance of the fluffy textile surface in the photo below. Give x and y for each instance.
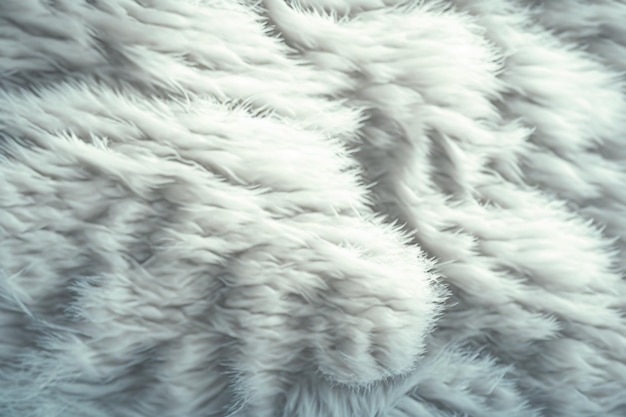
(333, 208)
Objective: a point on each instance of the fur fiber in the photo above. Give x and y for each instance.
(312, 208)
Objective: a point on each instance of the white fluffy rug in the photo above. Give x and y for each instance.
(312, 208)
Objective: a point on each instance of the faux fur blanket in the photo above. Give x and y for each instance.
(312, 208)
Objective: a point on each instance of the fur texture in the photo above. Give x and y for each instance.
(312, 208)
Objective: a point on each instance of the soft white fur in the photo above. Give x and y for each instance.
(333, 208)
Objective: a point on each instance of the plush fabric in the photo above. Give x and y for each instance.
(333, 208)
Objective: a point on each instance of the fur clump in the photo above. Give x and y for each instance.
(301, 208)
